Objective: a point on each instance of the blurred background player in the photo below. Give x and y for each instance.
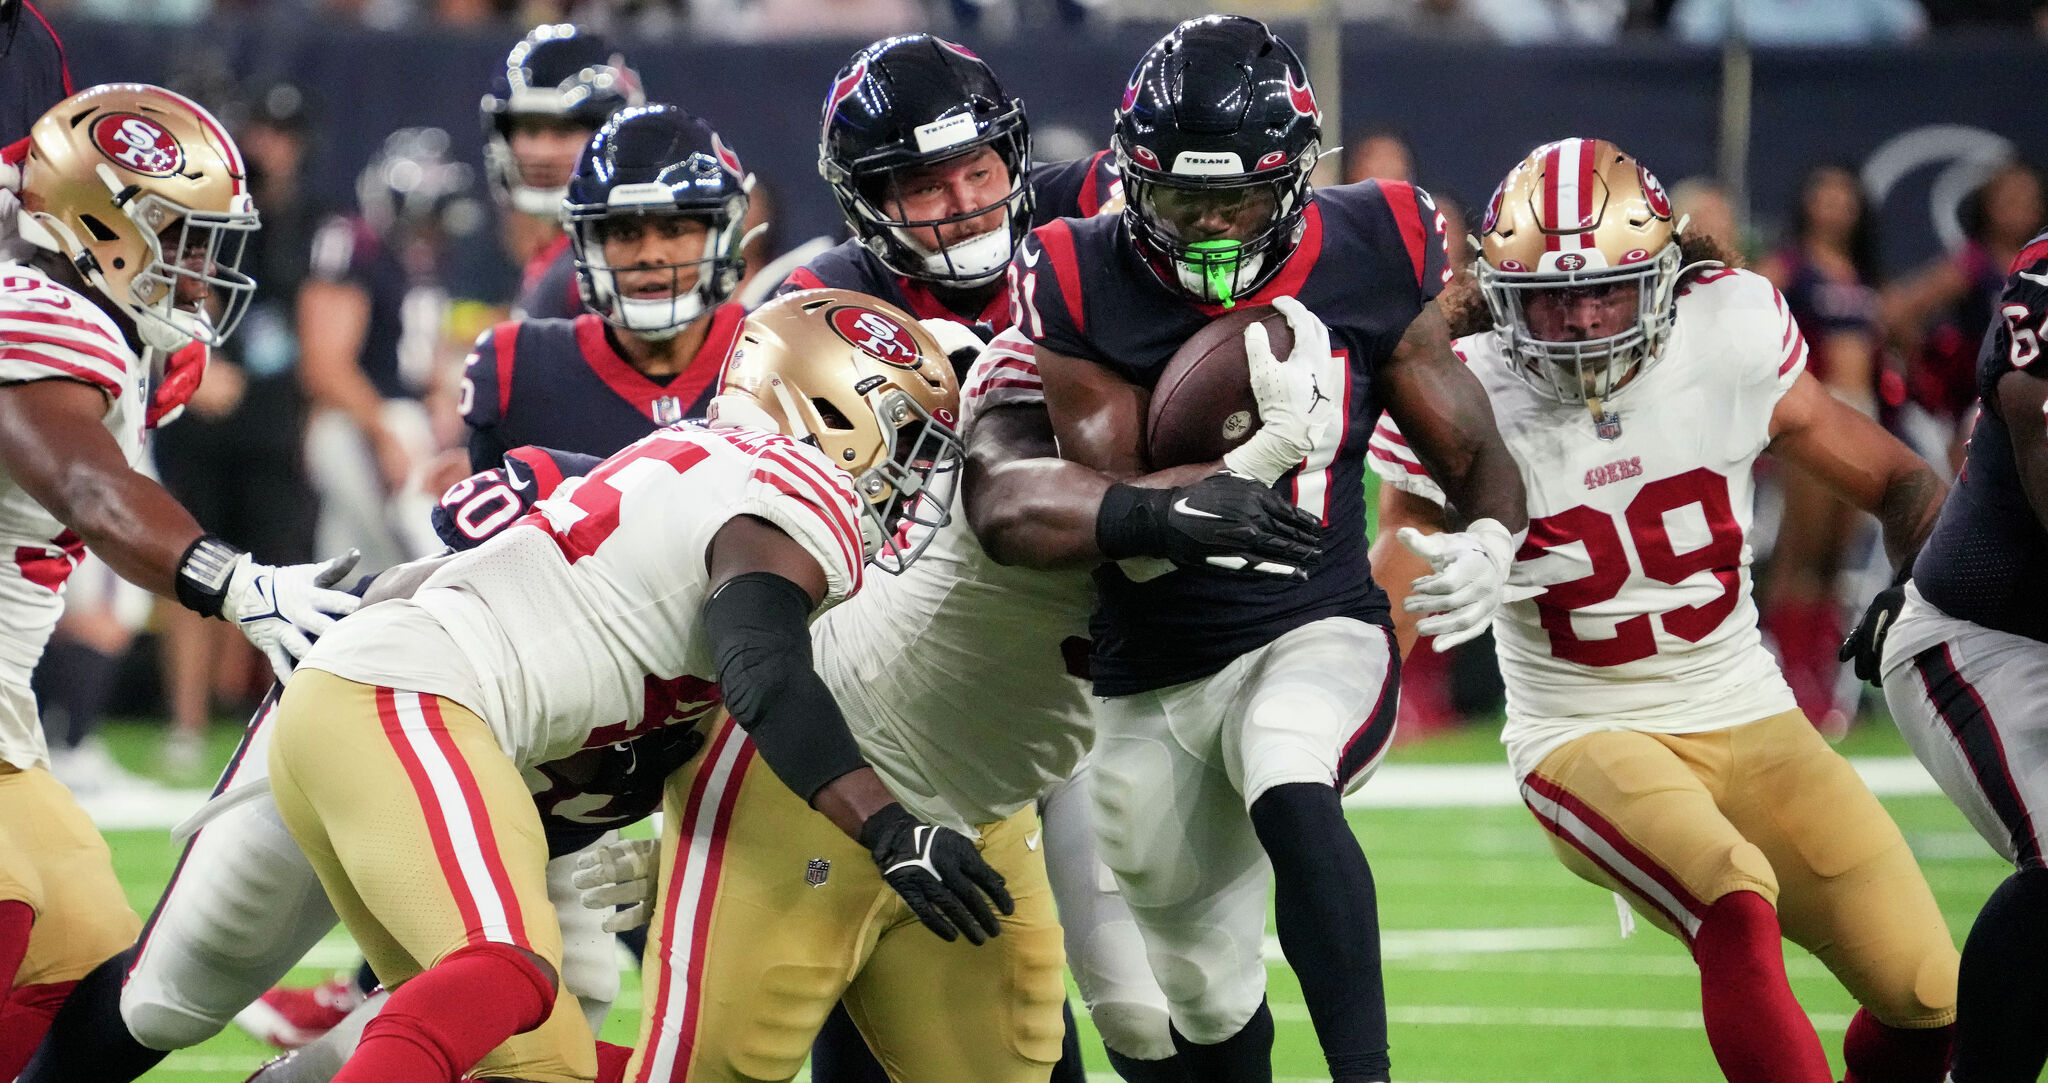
(108, 292)
(930, 162)
(555, 89)
(370, 318)
(1965, 666)
(1636, 378)
(656, 211)
(1249, 708)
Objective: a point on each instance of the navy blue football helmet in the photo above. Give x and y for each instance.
(657, 161)
(919, 100)
(557, 70)
(1216, 137)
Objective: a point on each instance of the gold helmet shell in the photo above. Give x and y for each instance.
(1579, 214)
(867, 385)
(117, 173)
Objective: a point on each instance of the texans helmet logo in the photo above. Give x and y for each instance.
(1302, 98)
(956, 47)
(726, 157)
(139, 144)
(876, 335)
(844, 88)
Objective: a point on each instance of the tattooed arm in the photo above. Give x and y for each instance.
(1443, 411)
(1860, 462)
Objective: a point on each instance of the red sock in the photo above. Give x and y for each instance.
(1877, 1053)
(24, 1021)
(16, 921)
(438, 1025)
(611, 1062)
(1759, 1032)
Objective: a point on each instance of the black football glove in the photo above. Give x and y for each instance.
(1865, 645)
(1224, 521)
(939, 874)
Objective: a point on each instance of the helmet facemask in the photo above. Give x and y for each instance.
(695, 286)
(1222, 237)
(206, 251)
(1586, 371)
(870, 190)
(508, 175)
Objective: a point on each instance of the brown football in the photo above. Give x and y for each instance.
(1202, 405)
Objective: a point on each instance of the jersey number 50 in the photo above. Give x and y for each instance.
(1635, 638)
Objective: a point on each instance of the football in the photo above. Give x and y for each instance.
(1202, 405)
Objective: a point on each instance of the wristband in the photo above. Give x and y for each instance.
(203, 574)
(1129, 521)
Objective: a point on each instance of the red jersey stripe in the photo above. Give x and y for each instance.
(505, 337)
(1408, 215)
(91, 376)
(1057, 239)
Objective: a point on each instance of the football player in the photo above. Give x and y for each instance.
(655, 210)
(556, 88)
(136, 204)
(1965, 667)
(930, 161)
(1248, 707)
(1636, 380)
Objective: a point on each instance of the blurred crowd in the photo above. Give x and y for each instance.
(365, 413)
(1766, 22)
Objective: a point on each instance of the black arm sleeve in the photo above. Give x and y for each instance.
(759, 625)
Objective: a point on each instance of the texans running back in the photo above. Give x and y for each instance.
(1247, 707)
(1636, 380)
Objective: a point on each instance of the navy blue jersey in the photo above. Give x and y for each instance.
(33, 76)
(1987, 560)
(1074, 189)
(1371, 255)
(547, 288)
(563, 384)
(349, 252)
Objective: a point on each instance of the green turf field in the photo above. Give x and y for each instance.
(1501, 967)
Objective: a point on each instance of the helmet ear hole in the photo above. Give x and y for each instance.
(100, 230)
(831, 416)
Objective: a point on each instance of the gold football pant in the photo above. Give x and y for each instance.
(426, 841)
(1675, 821)
(769, 915)
(53, 859)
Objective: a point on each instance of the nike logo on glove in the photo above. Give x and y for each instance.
(1182, 506)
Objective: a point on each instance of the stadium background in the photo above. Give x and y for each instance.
(1502, 968)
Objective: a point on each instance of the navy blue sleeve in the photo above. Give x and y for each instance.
(1420, 226)
(32, 76)
(2022, 317)
(486, 386)
(553, 295)
(1045, 293)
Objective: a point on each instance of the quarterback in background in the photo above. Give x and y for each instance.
(135, 204)
(1636, 379)
(1966, 670)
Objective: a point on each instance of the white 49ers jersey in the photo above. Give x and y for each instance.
(48, 331)
(953, 675)
(1640, 534)
(580, 625)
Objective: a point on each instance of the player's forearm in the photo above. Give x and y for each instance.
(1912, 501)
(1487, 484)
(1044, 513)
(129, 521)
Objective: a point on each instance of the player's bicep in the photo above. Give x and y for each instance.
(2023, 406)
(1098, 417)
(54, 442)
(748, 544)
(1440, 406)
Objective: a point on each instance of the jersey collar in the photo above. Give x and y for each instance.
(684, 389)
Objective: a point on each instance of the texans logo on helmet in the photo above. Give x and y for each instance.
(1131, 91)
(1653, 192)
(726, 157)
(138, 143)
(877, 335)
(956, 47)
(844, 88)
(1302, 99)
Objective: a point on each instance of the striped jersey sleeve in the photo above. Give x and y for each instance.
(1006, 374)
(46, 333)
(1397, 464)
(795, 487)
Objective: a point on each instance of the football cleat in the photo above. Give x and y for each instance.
(289, 1018)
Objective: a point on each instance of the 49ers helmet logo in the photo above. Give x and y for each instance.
(1653, 192)
(876, 335)
(139, 144)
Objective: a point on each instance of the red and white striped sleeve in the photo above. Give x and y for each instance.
(795, 487)
(1790, 355)
(1006, 374)
(45, 333)
(1397, 464)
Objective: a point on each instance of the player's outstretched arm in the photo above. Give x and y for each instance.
(1394, 567)
(54, 443)
(1032, 508)
(762, 590)
(1444, 412)
(1858, 461)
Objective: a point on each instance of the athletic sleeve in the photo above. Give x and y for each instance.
(803, 278)
(1421, 228)
(487, 391)
(45, 334)
(1397, 464)
(796, 488)
(1006, 374)
(1045, 293)
(2021, 321)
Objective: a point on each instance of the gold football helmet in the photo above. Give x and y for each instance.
(145, 193)
(1579, 219)
(863, 382)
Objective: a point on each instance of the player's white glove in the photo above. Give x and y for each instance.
(956, 339)
(1298, 398)
(279, 608)
(1469, 580)
(620, 873)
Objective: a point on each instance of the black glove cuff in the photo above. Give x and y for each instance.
(884, 823)
(1131, 521)
(203, 573)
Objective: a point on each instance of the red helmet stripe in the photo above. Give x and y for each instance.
(1551, 184)
(844, 88)
(1589, 161)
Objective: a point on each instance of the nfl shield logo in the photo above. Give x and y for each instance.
(1608, 425)
(668, 410)
(816, 870)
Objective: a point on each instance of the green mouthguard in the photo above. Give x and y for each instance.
(1218, 263)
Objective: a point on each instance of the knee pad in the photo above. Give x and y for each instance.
(1211, 989)
(1918, 993)
(158, 1024)
(1743, 867)
(1133, 1029)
